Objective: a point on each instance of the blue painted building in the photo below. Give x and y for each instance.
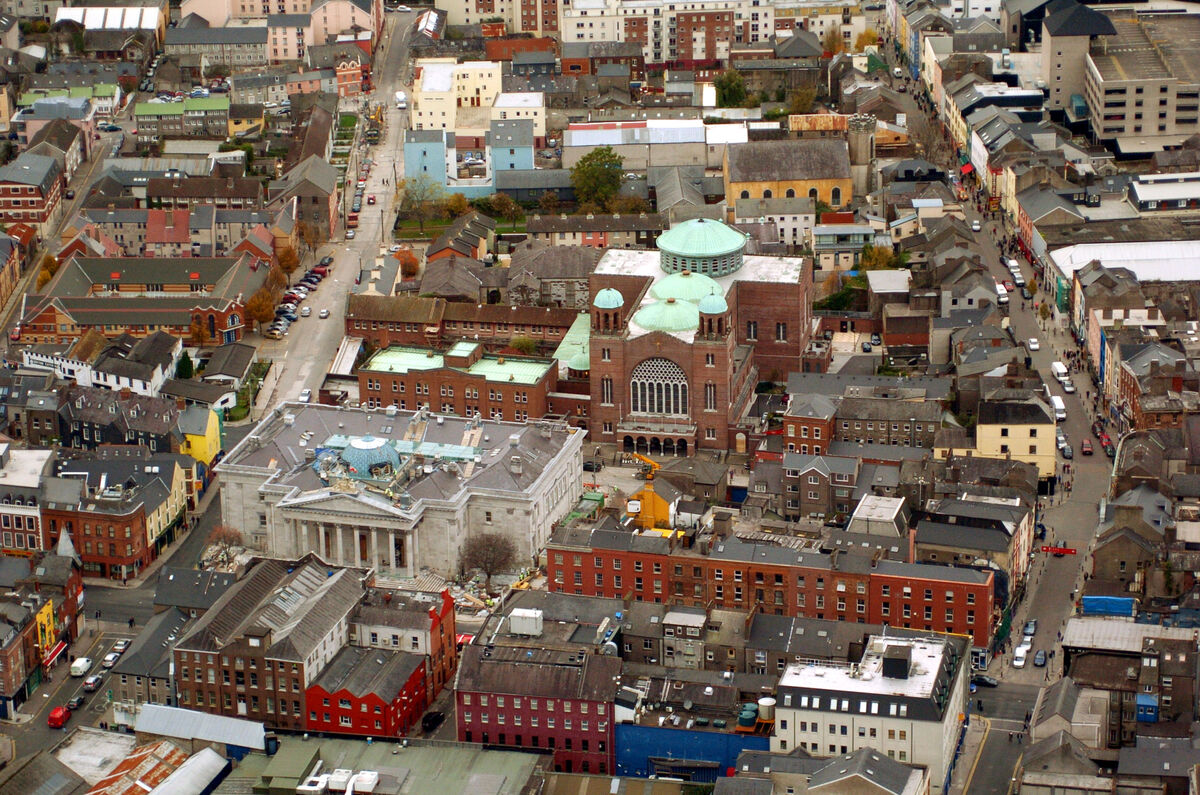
(701, 755)
(429, 153)
(510, 145)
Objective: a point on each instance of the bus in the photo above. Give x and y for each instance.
(352, 220)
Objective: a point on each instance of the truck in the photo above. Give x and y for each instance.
(1060, 371)
(1060, 408)
(401, 100)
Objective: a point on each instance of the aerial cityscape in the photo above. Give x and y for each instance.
(600, 397)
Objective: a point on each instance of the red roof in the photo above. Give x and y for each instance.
(145, 768)
(168, 226)
(24, 233)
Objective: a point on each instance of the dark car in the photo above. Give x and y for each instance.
(431, 721)
(1028, 296)
(983, 680)
(76, 702)
(591, 465)
(326, 261)
(866, 347)
(1068, 452)
(1031, 627)
(876, 340)
(1110, 451)
(1039, 659)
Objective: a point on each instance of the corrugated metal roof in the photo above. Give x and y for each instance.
(174, 722)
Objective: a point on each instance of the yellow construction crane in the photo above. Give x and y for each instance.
(649, 466)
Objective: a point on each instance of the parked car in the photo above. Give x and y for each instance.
(110, 128)
(1030, 628)
(1068, 386)
(92, 683)
(593, 465)
(273, 334)
(120, 646)
(1034, 345)
(876, 340)
(76, 702)
(58, 717)
(349, 234)
(1068, 452)
(325, 262)
(80, 666)
(1008, 285)
(983, 680)
(305, 395)
(1039, 659)
(1098, 428)
(1028, 296)
(976, 227)
(1020, 656)
(306, 311)
(866, 347)
(371, 198)
(1085, 447)
(110, 659)
(431, 721)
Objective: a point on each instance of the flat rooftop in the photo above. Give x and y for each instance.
(1150, 47)
(867, 677)
(92, 754)
(24, 468)
(498, 369)
(637, 262)
(419, 768)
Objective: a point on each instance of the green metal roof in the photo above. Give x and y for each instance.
(608, 298)
(686, 286)
(206, 103)
(701, 237)
(668, 315)
(401, 359)
(158, 109)
(714, 304)
(574, 349)
(86, 92)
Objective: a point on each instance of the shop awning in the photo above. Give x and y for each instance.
(55, 652)
(463, 640)
(967, 169)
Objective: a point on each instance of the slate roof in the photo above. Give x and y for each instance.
(150, 653)
(299, 607)
(41, 774)
(59, 133)
(366, 671)
(1078, 20)
(233, 360)
(158, 720)
(554, 262)
(537, 672)
(769, 161)
(1030, 411)
(39, 171)
(867, 765)
(190, 589)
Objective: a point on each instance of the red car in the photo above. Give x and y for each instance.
(1012, 288)
(1105, 441)
(370, 198)
(1086, 447)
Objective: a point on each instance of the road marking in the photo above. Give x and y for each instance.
(1012, 780)
(987, 728)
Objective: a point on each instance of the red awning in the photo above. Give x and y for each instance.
(55, 652)
(463, 640)
(967, 169)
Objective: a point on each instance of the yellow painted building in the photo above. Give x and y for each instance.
(246, 120)
(817, 168)
(1012, 424)
(201, 429)
(160, 517)
(47, 628)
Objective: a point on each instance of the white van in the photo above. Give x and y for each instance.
(81, 666)
(1060, 371)
(1019, 656)
(1060, 408)
(1001, 294)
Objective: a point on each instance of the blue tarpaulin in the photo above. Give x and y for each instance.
(1109, 606)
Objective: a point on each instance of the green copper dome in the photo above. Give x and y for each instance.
(608, 298)
(686, 286)
(713, 304)
(701, 237)
(668, 315)
(581, 361)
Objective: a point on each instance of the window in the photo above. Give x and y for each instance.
(659, 386)
(751, 329)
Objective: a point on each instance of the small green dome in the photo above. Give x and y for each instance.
(713, 304)
(701, 237)
(608, 298)
(668, 315)
(686, 286)
(581, 362)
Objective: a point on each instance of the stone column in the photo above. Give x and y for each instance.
(341, 554)
(374, 547)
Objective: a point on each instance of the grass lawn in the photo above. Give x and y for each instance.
(347, 121)
(409, 229)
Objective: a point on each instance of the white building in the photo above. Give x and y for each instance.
(447, 94)
(793, 218)
(397, 490)
(530, 105)
(906, 698)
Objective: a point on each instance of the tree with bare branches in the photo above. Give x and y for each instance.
(490, 553)
(224, 540)
(928, 139)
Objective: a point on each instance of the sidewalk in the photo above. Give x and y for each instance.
(968, 756)
(193, 521)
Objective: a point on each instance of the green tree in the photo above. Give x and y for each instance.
(628, 205)
(525, 345)
(420, 198)
(867, 38)
(597, 176)
(504, 206)
(1044, 311)
(801, 100)
(261, 306)
(548, 203)
(833, 43)
(731, 89)
(288, 260)
(185, 369)
(874, 258)
(457, 205)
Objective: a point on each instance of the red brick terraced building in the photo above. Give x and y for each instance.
(368, 693)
